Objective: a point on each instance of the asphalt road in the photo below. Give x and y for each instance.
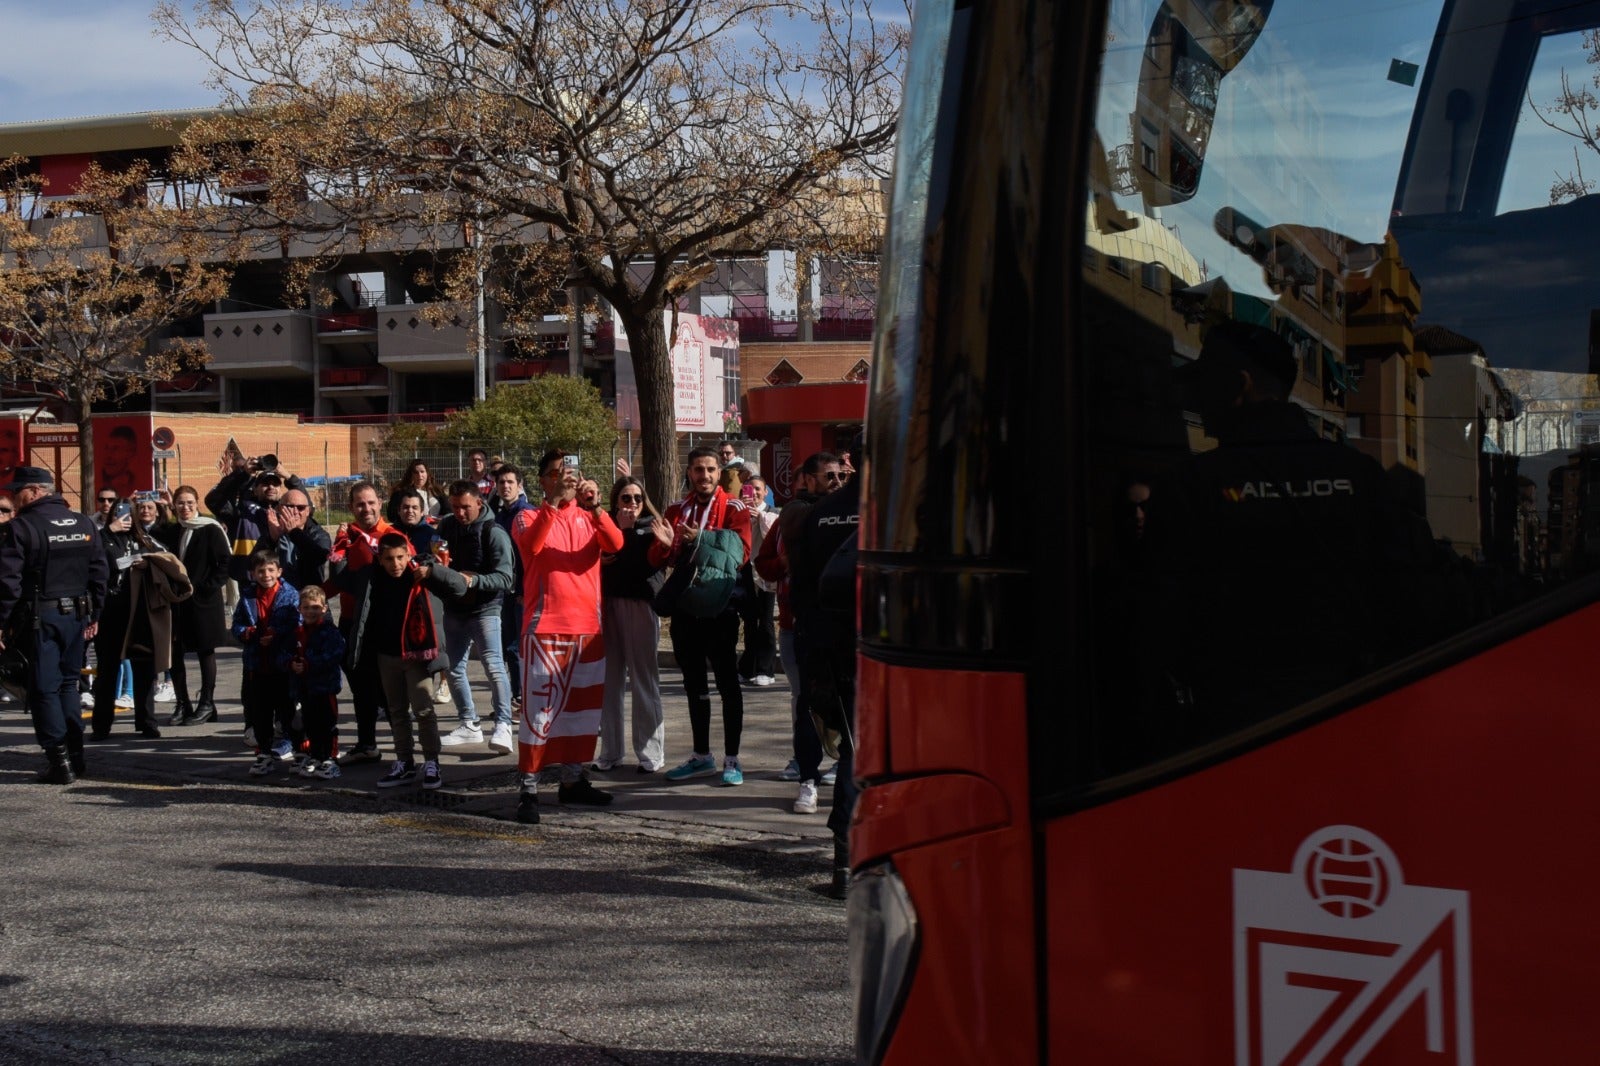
(222, 922)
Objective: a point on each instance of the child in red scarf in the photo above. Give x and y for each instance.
(263, 619)
(397, 623)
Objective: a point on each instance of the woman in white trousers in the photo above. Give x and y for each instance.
(632, 632)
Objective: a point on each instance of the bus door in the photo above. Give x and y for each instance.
(1339, 698)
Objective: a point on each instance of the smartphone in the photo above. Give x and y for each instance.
(147, 497)
(570, 461)
(122, 510)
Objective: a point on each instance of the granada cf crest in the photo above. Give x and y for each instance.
(1339, 957)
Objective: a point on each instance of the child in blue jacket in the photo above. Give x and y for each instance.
(312, 660)
(264, 619)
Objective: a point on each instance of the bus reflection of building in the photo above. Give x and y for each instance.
(1478, 501)
(1384, 412)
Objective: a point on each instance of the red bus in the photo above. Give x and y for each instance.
(1228, 571)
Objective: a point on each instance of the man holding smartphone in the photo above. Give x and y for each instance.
(481, 552)
(563, 653)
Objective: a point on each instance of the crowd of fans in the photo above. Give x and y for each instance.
(559, 597)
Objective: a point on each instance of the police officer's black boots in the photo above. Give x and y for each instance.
(75, 755)
(60, 772)
(182, 710)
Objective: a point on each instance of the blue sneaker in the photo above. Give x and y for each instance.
(731, 774)
(283, 749)
(694, 766)
(831, 774)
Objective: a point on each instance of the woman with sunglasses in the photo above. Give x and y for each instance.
(628, 583)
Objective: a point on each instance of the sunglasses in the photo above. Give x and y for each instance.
(629, 497)
(296, 506)
(7, 510)
(108, 499)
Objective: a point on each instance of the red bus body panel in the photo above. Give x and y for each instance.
(1474, 779)
(952, 817)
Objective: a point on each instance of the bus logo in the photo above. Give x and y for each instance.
(1331, 956)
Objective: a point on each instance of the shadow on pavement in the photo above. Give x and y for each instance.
(51, 1044)
(482, 881)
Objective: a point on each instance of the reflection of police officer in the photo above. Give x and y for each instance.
(52, 583)
(1289, 553)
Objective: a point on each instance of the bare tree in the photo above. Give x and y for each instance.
(89, 283)
(1574, 111)
(622, 146)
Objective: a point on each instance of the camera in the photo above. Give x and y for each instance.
(267, 464)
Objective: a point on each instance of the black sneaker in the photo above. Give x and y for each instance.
(430, 775)
(583, 792)
(403, 772)
(528, 808)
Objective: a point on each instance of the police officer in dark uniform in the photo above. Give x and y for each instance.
(52, 584)
(1292, 561)
(821, 560)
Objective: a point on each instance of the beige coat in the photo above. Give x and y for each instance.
(158, 580)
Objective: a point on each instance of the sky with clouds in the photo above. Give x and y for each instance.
(71, 58)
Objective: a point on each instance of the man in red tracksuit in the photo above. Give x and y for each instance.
(563, 653)
(695, 641)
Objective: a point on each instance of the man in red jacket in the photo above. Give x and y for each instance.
(695, 641)
(563, 652)
(355, 547)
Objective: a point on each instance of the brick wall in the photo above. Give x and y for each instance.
(306, 450)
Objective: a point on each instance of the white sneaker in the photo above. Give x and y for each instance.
(806, 802)
(124, 703)
(442, 693)
(763, 680)
(329, 771)
(248, 736)
(165, 693)
(86, 701)
(462, 735)
(500, 741)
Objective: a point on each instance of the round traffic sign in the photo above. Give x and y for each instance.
(163, 438)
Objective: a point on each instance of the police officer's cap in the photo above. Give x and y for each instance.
(29, 475)
(1244, 346)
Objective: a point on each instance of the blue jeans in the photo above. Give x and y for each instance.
(481, 631)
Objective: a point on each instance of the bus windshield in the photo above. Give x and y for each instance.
(1335, 358)
(1340, 341)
